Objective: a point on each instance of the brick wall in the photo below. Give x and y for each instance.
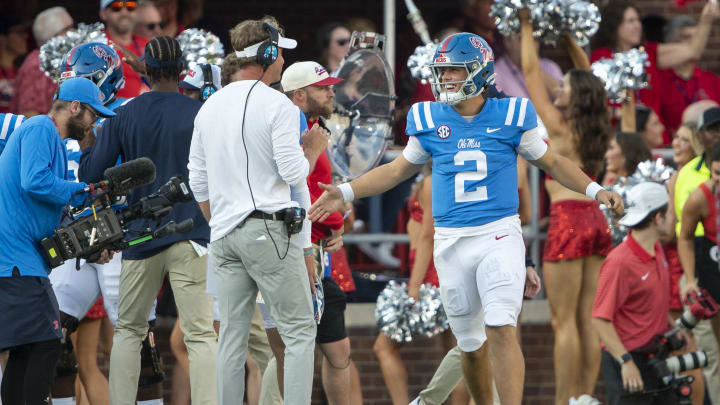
(421, 358)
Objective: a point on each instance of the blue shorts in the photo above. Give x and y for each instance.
(28, 311)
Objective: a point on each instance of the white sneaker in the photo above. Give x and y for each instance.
(416, 401)
(381, 253)
(586, 400)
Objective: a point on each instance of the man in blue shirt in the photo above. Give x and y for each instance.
(158, 125)
(8, 124)
(33, 192)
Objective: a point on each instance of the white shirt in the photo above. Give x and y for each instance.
(219, 165)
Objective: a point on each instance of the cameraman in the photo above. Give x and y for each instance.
(246, 162)
(33, 192)
(632, 302)
(158, 125)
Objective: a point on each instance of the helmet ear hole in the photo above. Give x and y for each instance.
(484, 74)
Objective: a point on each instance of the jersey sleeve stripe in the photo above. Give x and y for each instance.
(416, 117)
(6, 126)
(511, 111)
(19, 121)
(428, 115)
(523, 109)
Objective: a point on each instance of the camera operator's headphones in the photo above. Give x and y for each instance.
(208, 88)
(267, 52)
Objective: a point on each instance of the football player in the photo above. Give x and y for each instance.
(479, 252)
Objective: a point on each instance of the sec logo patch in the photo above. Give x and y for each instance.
(443, 132)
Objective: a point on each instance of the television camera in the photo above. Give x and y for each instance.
(101, 226)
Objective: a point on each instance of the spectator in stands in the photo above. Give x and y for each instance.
(332, 42)
(620, 31)
(684, 144)
(147, 20)
(13, 46)
(168, 9)
(648, 126)
(578, 125)
(693, 112)
(508, 71)
(33, 89)
(686, 83)
(119, 19)
(626, 150)
(631, 305)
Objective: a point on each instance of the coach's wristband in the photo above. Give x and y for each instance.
(592, 190)
(347, 191)
(308, 252)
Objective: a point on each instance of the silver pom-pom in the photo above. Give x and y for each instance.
(53, 51)
(391, 312)
(419, 62)
(647, 171)
(551, 19)
(626, 70)
(200, 46)
(427, 317)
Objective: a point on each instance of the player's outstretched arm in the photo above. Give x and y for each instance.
(569, 175)
(376, 181)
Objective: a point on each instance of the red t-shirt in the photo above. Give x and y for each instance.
(134, 86)
(33, 90)
(323, 174)
(633, 293)
(678, 93)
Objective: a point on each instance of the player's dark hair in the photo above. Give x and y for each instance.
(634, 149)
(650, 217)
(715, 153)
(166, 57)
(590, 118)
(612, 15)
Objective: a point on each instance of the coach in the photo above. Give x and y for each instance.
(245, 161)
(33, 192)
(158, 125)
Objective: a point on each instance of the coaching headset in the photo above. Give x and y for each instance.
(208, 88)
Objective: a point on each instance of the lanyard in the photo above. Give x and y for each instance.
(683, 85)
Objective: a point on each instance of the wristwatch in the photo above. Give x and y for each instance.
(625, 358)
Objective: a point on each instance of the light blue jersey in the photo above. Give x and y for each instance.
(474, 175)
(8, 124)
(73, 147)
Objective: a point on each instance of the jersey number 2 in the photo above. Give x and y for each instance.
(480, 193)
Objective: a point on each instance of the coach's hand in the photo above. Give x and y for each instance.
(335, 241)
(610, 199)
(330, 201)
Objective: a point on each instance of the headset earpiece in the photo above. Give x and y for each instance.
(267, 53)
(208, 88)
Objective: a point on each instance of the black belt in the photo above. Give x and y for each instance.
(276, 216)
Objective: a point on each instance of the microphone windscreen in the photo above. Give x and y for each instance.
(129, 175)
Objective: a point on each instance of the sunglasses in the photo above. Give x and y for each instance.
(92, 112)
(343, 41)
(118, 5)
(152, 26)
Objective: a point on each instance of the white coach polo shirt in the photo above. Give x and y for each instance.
(220, 167)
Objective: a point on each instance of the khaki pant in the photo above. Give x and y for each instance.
(245, 261)
(445, 379)
(140, 282)
(705, 338)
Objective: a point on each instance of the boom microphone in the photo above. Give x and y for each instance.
(129, 175)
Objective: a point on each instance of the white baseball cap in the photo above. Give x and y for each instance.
(643, 199)
(195, 78)
(303, 74)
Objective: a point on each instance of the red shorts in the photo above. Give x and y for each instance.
(97, 311)
(676, 272)
(577, 229)
(431, 275)
(341, 271)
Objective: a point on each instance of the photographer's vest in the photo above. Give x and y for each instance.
(692, 175)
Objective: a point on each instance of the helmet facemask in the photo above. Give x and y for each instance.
(477, 73)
